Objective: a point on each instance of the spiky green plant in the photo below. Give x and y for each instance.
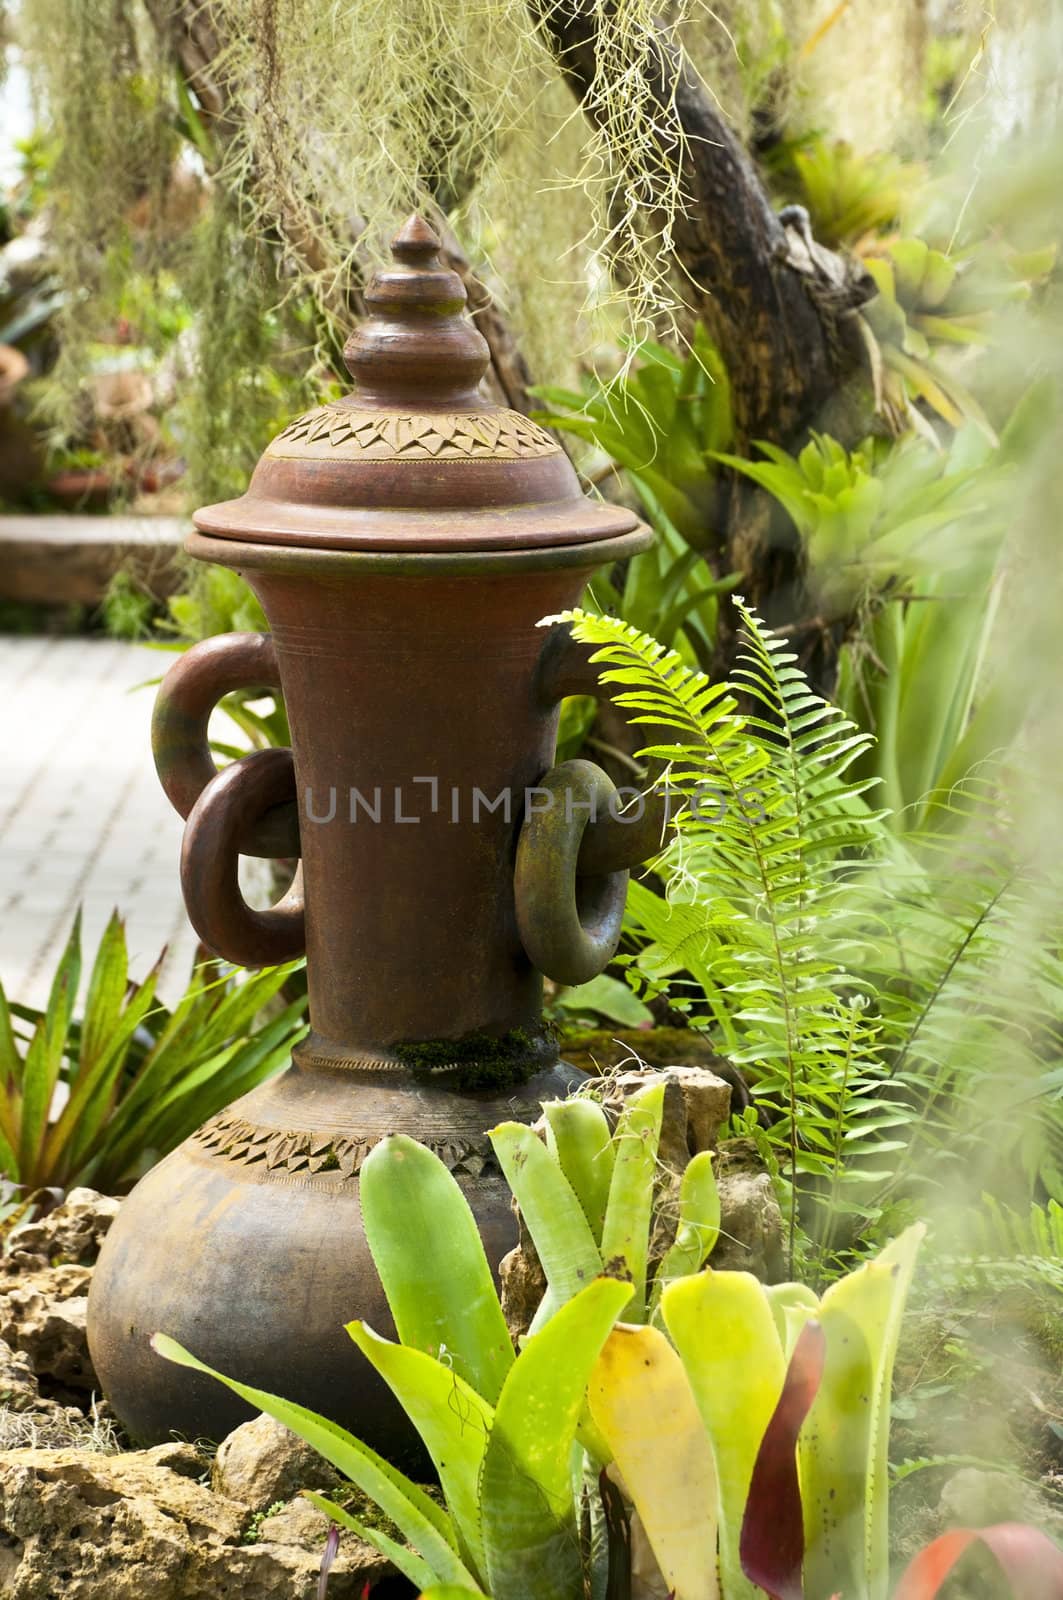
(870, 518)
(97, 1092)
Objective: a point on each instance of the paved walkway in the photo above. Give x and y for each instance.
(82, 817)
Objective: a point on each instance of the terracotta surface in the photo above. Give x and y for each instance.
(404, 543)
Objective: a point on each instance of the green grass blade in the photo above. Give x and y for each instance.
(414, 1212)
(428, 1529)
(526, 1489)
(451, 1418)
(10, 1057)
(82, 1122)
(577, 1135)
(555, 1219)
(44, 1058)
(106, 991)
(626, 1231)
(10, 1091)
(8, 1160)
(234, 1006)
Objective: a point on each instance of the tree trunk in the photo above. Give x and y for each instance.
(781, 307)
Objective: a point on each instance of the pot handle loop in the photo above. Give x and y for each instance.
(634, 826)
(569, 921)
(225, 812)
(575, 850)
(187, 696)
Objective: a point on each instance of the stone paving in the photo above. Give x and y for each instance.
(82, 817)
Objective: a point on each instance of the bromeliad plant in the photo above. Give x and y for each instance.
(690, 1419)
(588, 1195)
(929, 302)
(849, 195)
(777, 1542)
(97, 1095)
(500, 1426)
(753, 1441)
(870, 518)
(714, 1393)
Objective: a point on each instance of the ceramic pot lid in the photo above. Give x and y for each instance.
(416, 459)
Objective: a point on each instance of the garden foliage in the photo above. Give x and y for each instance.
(866, 986)
(96, 1093)
(749, 1431)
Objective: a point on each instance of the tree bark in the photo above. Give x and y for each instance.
(781, 308)
(773, 305)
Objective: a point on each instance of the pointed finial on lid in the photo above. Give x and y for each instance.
(417, 348)
(415, 243)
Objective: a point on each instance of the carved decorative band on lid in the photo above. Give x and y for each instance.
(341, 432)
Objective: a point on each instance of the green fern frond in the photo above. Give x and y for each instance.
(754, 911)
(871, 984)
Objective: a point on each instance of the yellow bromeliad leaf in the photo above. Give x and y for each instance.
(722, 1326)
(642, 1402)
(842, 1455)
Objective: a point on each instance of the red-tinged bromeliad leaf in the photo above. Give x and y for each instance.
(772, 1546)
(1032, 1564)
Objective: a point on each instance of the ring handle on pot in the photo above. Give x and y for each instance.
(569, 921)
(187, 696)
(230, 805)
(626, 834)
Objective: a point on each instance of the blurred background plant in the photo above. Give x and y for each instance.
(97, 1094)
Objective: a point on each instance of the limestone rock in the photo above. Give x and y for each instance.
(697, 1103)
(18, 1385)
(84, 1526)
(43, 1313)
(673, 1152)
(975, 1497)
(30, 1419)
(522, 1283)
(751, 1224)
(261, 1463)
(73, 1232)
(298, 1523)
(707, 1098)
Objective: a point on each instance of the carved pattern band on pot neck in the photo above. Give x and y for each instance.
(229, 1138)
